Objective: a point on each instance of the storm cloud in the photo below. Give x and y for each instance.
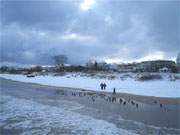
(32, 32)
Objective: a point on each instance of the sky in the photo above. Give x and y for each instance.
(33, 31)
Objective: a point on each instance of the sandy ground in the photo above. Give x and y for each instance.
(141, 114)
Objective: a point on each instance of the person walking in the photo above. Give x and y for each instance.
(105, 86)
(114, 90)
(102, 86)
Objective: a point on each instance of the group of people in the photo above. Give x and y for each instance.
(103, 86)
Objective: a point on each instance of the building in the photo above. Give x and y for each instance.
(90, 64)
(112, 67)
(97, 65)
(129, 67)
(155, 66)
(178, 60)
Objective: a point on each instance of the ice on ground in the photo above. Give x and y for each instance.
(158, 88)
(34, 118)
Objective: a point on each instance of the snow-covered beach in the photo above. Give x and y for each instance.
(63, 103)
(157, 88)
(28, 108)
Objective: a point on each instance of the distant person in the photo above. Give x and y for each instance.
(102, 86)
(136, 105)
(105, 86)
(114, 90)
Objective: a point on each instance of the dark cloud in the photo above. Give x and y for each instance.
(34, 31)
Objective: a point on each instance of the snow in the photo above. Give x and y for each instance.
(34, 118)
(158, 88)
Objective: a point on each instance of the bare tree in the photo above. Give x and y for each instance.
(60, 60)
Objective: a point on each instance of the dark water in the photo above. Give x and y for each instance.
(22, 116)
(26, 117)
